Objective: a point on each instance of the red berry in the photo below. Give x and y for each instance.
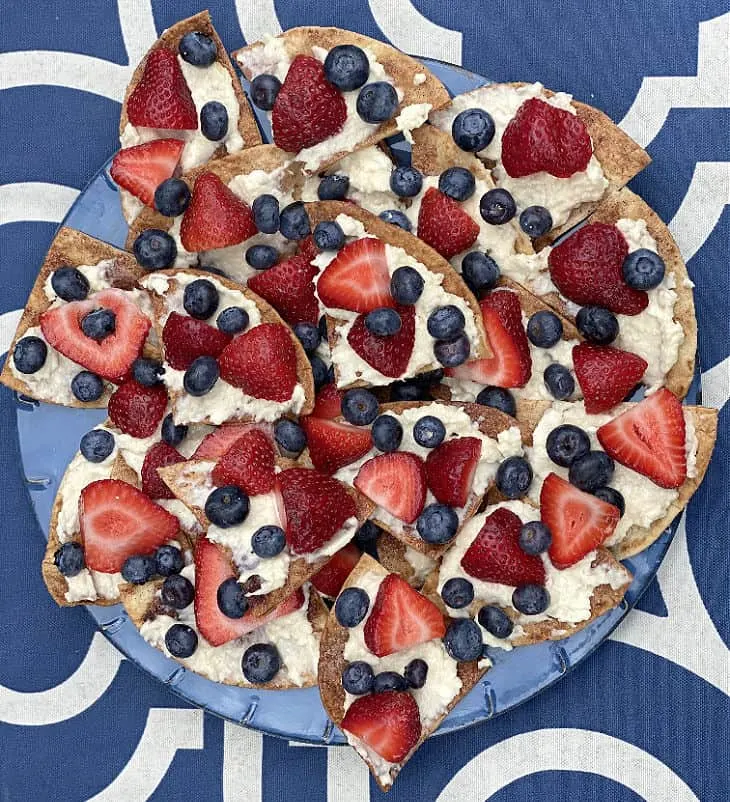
(289, 287)
(333, 445)
(450, 470)
(396, 482)
(357, 278)
(162, 97)
(606, 375)
(137, 410)
(142, 168)
(444, 225)
(388, 355)
(249, 464)
(159, 456)
(388, 723)
(332, 576)
(185, 339)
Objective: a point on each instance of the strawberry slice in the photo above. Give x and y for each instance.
(162, 97)
(331, 577)
(401, 617)
(328, 403)
(111, 357)
(137, 410)
(396, 482)
(511, 363)
(186, 338)
(216, 217)
(308, 108)
(587, 268)
(216, 443)
(316, 508)
(357, 278)
(333, 445)
(450, 470)
(159, 456)
(212, 567)
(388, 355)
(249, 464)
(606, 375)
(541, 137)
(650, 439)
(444, 225)
(388, 723)
(262, 362)
(495, 554)
(289, 287)
(578, 521)
(118, 521)
(142, 168)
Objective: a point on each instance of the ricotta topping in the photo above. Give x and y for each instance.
(421, 564)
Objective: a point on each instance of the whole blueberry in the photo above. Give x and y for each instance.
(480, 272)
(497, 206)
(268, 541)
(396, 218)
(458, 183)
(260, 663)
(320, 371)
(437, 524)
(265, 210)
(359, 407)
(347, 67)
(463, 640)
(611, 496)
(69, 284)
(173, 435)
(389, 681)
(445, 322)
(472, 130)
(453, 352)
(559, 381)
(357, 678)
(99, 324)
(232, 601)
(261, 257)
(155, 249)
(214, 121)
(139, 568)
(499, 398)
(333, 187)
(406, 182)
(169, 560)
(514, 476)
(294, 221)
(147, 372)
(409, 391)
(69, 558)
(87, 386)
(200, 377)
(198, 49)
(544, 329)
(535, 537)
(643, 269)
(172, 197)
(383, 322)
(177, 592)
(495, 621)
(227, 506)
(29, 354)
(351, 606)
(328, 236)
(232, 320)
(530, 599)
(567, 443)
(308, 336)
(457, 593)
(536, 221)
(415, 673)
(200, 298)
(591, 471)
(290, 436)
(387, 433)
(597, 325)
(181, 640)
(97, 445)
(264, 89)
(429, 431)
(406, 285)
(377, 102)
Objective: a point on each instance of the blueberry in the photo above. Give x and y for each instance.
(214, 121)
(351, 606)
(480, 272)
(328, 236)
(232, 601)
(387, 433)
(514, 476)
(383, 322)
(227, 506)
(445, 322)
(406, 285)
(611, 496)
(99, 324)
(430, 378)
(535, 537)
(453, 352)
(437, 524)
(260, 663)
(495, 621)
(457, 593)
(395, 218)
(265, 210)
(359, 407)
(544, 329)
(320, 371)
(200, 298)
(232, 320)
(268, 541)
(308, 336)
(294, 221)
(139, 568)
(181, 640)
(591, 471)
(410, 390)
(497, 206)
(290, 437)
(169, 560)
(597, 324)
(172, 197)
(406, 182)
(261, 257)
(530, 599)
(389, 681)
(499, 398)
(97, 445)
(198, 49)
(559, 381)
(155, 249)
(463, 640)
(347, 67)
(69, 559)
(333, 187)
(264, 89)
(567, 443)
(458, 183)
(536, 221)
(29, 354)
(643, 269)
(173, 435)
(357, 678)
(87, 386)
(177, 592)
(147, 372)
(69, 284)
(377, 102)
(200, 377)
(415, 673)
(472, 130)
(429, 431)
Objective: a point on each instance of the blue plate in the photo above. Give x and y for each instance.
(297, 714)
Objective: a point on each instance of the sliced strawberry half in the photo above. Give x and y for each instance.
(119, 521)
(216, 443)
(578, 521)
(185, 339)
(142, 168)
(159, 456)
(137, 410)
(444, 225)
(333, 445)
(388, 723)
(450, 470)
(328, 403)
(249, 464)
(388, 355)
(650, 439)
(396, 482)
(606, 375)
(289, 287)
(357, 278)
(111, 357)
(332, 576)
(162, 97)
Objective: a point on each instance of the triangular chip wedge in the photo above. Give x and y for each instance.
(215, 82)
(102, 268)
(224, 401)
(649, 508)
(448, 679)
(614, 161)
(413, 565)
(418, 90)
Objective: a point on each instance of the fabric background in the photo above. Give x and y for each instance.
(648, 716)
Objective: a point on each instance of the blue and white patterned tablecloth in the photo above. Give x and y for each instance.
(648, 716)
